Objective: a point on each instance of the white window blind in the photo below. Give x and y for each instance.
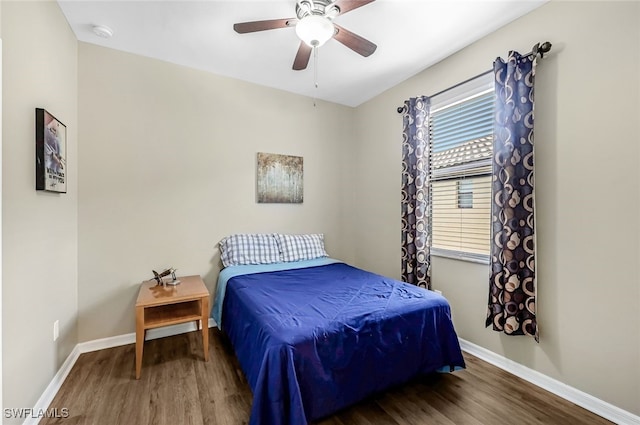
(461, 128)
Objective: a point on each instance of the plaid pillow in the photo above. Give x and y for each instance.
(301, 247)
(244, 249)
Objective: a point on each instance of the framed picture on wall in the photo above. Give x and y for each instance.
(279, 179)
(51, 153)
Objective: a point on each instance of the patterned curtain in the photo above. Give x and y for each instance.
(512, 293)
(416, 209)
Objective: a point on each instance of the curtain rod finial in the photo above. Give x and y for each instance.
(545, 47)
(541, 49)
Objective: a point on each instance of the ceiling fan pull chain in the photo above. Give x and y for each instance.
(315, 73)
(315, 67)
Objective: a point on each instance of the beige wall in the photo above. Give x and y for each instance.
(587, 158)
(167, 168)
(39, 239)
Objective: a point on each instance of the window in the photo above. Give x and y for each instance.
(465, 193)
(461, 128)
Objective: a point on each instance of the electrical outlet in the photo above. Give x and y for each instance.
(56, 329)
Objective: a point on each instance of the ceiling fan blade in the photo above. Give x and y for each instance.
(302, 57)
(348, 5)
(354, 42)
(245, 27)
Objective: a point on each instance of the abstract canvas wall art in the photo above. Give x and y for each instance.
(279, 179)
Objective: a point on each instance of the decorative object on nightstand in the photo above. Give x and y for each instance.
(159, 277)
(159, 306)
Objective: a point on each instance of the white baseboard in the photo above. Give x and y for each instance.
(52, 389)
(582, 399)
(116, 341)
(100, 344)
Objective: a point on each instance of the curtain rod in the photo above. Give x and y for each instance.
(537, 49)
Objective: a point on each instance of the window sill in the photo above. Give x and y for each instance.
(462, 256)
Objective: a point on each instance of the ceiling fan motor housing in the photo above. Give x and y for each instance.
(316, 7)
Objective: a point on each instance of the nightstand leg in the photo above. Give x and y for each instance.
(205, 327)
(139, 339)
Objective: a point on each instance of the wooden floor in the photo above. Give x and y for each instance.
(178, 387)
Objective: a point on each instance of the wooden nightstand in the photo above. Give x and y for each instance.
(159, 306)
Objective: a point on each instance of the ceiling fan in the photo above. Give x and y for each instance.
(314, 26)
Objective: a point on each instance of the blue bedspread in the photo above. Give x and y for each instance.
(314, 340)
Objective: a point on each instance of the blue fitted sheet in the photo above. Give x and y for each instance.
(313, 340)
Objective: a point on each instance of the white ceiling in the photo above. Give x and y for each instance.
(411, 35)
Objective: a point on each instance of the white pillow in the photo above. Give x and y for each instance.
(301, 247)
(241, 249)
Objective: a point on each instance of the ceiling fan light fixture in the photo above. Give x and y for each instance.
(315, 30)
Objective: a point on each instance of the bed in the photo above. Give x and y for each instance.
(315, 336)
